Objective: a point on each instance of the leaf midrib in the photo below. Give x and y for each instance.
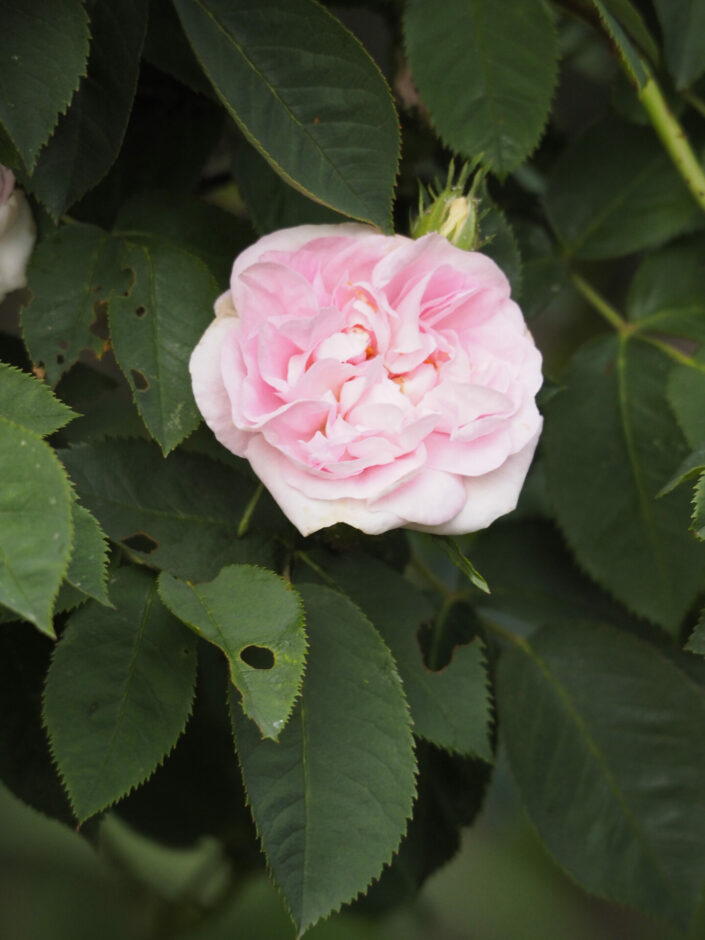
(275, 94)
(642, 495)
(599, 759)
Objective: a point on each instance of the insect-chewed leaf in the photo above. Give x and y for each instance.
(348, 743)
(450, 707)
(118, 692)
(257, 621)
(154, 329)
(72, 275)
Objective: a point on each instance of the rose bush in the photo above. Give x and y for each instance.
(374, 380)
(17, 234)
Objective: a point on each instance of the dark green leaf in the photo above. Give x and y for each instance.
(698, 518)
(615, 191)
(696, 641)
(486, 72)
(627, 13)
(501, 245)
(605, 740)
(88, 568)
(180, 514)
(43, 51)
(692, 466)
(118, 693)
(167, 48)
(35, 535)
(686, 394)
(88, 137)
(666, 293)
(533, 578)
(154, 328)
(54, 885)
(306, 94)
(683, 25)
(271, 201)
(348, 743)
(247, 607)
(450, 707)
(213, 235)
(621, 40)
(72, 275)
(610, 442)
(27, 401)
(25, 761)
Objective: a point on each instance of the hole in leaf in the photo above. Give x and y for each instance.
(60, 359)
(141, 310)
(140, 380)
(99, 326)
(258, 657)
(140, 542)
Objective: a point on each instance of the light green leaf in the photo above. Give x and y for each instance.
(88, 568)
(35, 535)
(619, 37)
(72, 275)
(180, 514)
(486, 72)
(306, 94)
(666, 293)
(614, 191)
(43, 51)
(698, 518)
(450, 707)
(27, 401)
(248, 610)
(88, 137)
(119, 692)
(610, 442)
(348, 742)
(604, 737)
(451, 548)
(154, 329)
(683, 25)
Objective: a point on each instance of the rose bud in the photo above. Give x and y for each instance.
(17, 234)
(374, 380)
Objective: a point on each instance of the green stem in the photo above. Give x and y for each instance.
(598, 303)
(674, 139)
(673, 353)
(249, 510)
(323, 575)
(439, 624)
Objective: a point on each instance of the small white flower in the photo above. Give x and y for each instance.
(17, 234)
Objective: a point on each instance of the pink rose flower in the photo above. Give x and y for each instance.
(373, 380)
